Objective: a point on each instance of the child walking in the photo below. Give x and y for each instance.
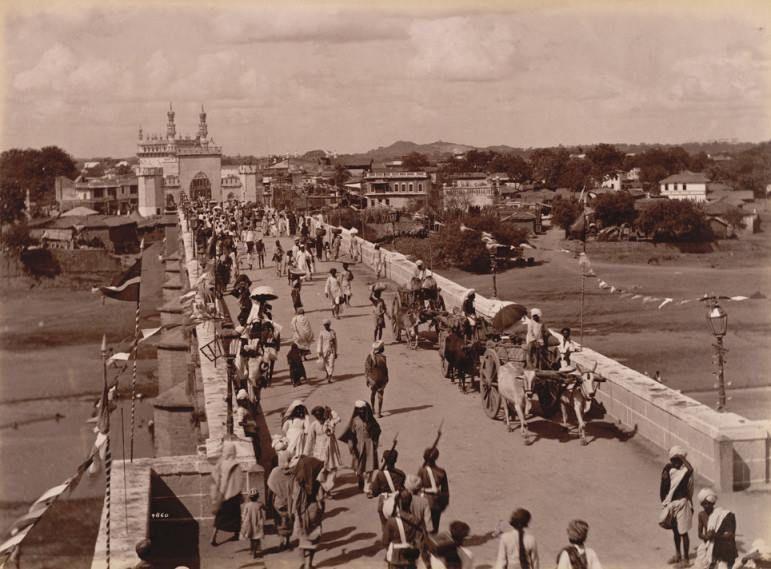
(253, 522)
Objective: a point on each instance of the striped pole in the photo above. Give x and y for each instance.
(107, 481)
(134, 378)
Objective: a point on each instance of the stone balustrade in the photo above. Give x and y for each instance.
(730, 451)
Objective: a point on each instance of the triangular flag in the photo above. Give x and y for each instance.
(118, 357)
(635, 297)
(666, 301)
(148, 332)
(739, 298)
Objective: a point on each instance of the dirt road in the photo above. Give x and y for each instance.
(611, 483)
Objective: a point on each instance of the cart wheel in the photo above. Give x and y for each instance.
(491, 398)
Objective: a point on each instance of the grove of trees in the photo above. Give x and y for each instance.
(34, 170)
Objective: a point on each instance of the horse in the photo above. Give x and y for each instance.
(577, 395)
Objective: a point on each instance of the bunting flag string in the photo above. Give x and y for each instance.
(660, 301)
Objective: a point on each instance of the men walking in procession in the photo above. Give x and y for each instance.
(363, 436)
(376, 372)
(326, 347)
(334, 292)
(435, 486)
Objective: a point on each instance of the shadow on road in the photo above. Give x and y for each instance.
(348, 556)
(406, 410)
(331, 536)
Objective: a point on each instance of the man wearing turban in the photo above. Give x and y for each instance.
(719, 535)
(676, 494)
(376, 372)
(577, 555)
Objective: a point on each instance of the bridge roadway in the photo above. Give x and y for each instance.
(612, 483)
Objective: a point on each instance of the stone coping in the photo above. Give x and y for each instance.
(173, 339)
(175, 397)
(173, 283)
(172, 307)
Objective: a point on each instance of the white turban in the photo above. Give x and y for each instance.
(707, 495)
(677, 451)
(536, 312)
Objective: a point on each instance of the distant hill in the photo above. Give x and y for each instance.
(442, 149)
(434, 150)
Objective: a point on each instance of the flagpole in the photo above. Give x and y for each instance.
(123, 447)
(107, 455)
(134, 363)
(583, 267)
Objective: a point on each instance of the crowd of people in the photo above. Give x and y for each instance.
(409, 506)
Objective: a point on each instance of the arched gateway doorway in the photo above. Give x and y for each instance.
(200, 187)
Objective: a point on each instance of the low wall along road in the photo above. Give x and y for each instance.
(732, 452)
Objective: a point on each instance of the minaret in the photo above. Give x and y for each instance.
(203, 130)
(141, 134)
(171, 130)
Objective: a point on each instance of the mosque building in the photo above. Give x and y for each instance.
(172, 164)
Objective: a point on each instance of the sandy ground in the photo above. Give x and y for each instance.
(612, 483)
(674, 340)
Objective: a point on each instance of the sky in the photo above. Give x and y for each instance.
(289, 77)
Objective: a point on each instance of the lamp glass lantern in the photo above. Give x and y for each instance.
(718, 320)
(230, 343)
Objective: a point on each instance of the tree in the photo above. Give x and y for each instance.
(464, 249)
(33, 170)
(605, 159)
(15, 238)
(415, 161)
(615, 208)
(564, 212)
(576, 175)
(341, 175)
(548, 165)
(515, 167)
(675, 220)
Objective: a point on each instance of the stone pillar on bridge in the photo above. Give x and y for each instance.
(175, 434)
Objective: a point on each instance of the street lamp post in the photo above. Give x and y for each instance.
(718, 323)
(230, 346)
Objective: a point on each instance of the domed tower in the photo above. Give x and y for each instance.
(203, 129)
(171, 129)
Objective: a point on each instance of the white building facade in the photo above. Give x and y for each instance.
(686, 185)
(398, 190)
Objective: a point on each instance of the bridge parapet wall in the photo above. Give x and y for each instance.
(729, 450)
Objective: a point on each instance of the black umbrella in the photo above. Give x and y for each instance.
(508, 316)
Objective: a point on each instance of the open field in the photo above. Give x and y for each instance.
(674, 340)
